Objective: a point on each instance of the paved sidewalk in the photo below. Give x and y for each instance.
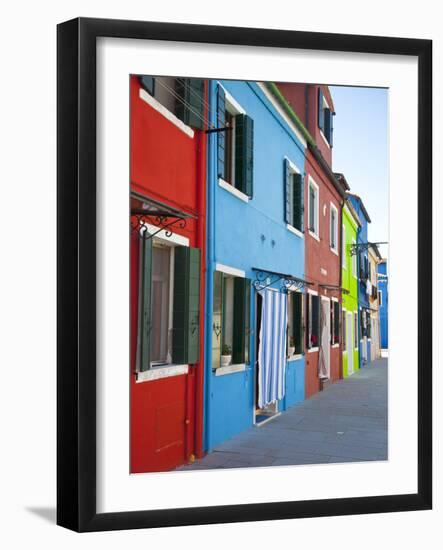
(347, 422)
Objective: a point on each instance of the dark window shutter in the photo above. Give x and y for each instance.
(321, 112)
(143, 351)
(327, 124)
(148, 83)
(247, 318)
(190, 106)
(298, 201)
(331, 129)
(297, 300)
(244, 154)
(221, 137)
(336, 322)
(315, 320)
(287, 187)
(241, 320)
(308, 320)
(186, 307)
(217, 318)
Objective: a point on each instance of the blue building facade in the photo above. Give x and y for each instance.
(255, 234)
(383, 301)
(364, 282)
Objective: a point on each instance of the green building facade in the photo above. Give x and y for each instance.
(350, 226)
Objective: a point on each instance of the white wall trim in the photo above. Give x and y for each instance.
(233, 190)
(292, 166)
(312, 350)
(325, 298)
(334, 299)
(324, 138)
(232, 101)
(312, 182)
(280, 111)
(230, 369)
(331, 208)
(230, 270)
(314, 292)
(147, 98)
(156, 373)
(314, 235)
(296, 357)
(294, 230)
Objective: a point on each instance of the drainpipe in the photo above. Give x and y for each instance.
(201, 243)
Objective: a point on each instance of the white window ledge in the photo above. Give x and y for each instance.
(311, 350)
(335, 345)
(294, 230)
(314, 235)
(230, 369)
(324, 139)
(334, 250)
(167, 371)
(233, 190)
(295, 357)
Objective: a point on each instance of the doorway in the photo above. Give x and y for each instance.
(324, 359)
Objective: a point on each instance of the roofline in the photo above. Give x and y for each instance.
(365, 212)
(353, 212)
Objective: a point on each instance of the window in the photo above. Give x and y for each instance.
(333, 228)
(184, 97)
(313, 208)
(293, 196)
(364, 267)
(169, 295)
(325, 114)
(231, 320)
(235, 144)
(343, 247)
(380, 298)
(295, 324)
(354, 262)
(368, 324)
(335, 322)
(355, 330)
(343, 329)
(313, 320)
(363, 323)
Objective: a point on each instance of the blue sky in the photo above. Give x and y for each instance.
(361, 150)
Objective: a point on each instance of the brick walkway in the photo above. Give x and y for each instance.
(347, 422)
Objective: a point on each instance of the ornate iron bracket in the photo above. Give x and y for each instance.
(265, 278)
(161, 222)
(355, 248)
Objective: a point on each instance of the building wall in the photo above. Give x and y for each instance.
(322, 265)
(167, 165)
(244, 235)
(373, 302)
(349, 282)
(384, 306)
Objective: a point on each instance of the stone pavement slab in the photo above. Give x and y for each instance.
(347, 422)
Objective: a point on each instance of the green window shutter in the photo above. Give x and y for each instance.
(244, 154)
(241, 320)
(327, 123)
(321, 112)
(148, 83)
(297, 322)
(217, 319)
(247, 318)
(298, 201)
(144, 299)
(221, 136)
(190, 107)
(186, 306)
(288, 192)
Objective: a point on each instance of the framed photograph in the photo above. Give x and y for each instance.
(244, 274)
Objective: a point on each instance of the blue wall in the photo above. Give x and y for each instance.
(383, 309)
(245, 235)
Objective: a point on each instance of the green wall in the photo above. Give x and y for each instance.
(349, 282)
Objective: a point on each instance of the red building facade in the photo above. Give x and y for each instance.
(323, 196)
(167, 184)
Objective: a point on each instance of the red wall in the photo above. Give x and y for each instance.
(318, 256)
(169, 166)
(303, 98)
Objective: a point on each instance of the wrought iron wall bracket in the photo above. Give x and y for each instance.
(139, 224)
(362, 247)
(264, 279)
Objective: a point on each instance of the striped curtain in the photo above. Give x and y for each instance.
(272, 348)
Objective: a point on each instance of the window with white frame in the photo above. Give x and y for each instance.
(313, 198)
(325, 119)
(343, 247)
(293, 194)
(380, 298)
(333, 242)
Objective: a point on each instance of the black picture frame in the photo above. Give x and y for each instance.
(76, 280)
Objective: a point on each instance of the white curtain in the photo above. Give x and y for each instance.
(272, 348)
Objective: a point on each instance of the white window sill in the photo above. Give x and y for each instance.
(312, 350)
(345, 351)
(233, 190)
(294, 230)
(166, 371)
(335, 251)
(314, 235)
(230, 369)
(147, 98)
(324, 138)
(335, 345)
(295, 357)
